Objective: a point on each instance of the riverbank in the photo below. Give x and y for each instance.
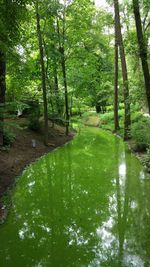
(26, 148)
(140, 132)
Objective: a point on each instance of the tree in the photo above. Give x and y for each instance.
(2, 93)
(127, 119)
(61, 38)
(116, 118)
(89, 65)
(43, 78)
(142, 50)
(10, 15)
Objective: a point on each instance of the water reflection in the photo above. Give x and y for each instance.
(86, 204)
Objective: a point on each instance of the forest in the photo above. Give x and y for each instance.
(69, 62)
(62, 57)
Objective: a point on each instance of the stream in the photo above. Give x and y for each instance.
(86, 204)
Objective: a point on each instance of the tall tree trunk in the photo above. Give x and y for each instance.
(71, 104)
(56, 88)
(127, 119)
(66, 90)
(142, 49)
(63, 64)
(2, 94)
(48, 82)
(42, 74)
(116, 118)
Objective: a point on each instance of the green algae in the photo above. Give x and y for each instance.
(85, 204)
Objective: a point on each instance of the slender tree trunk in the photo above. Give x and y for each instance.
(66, 91)
(142, 49)
(56, 87)
(48, 82)
(71, 104)
(2, 94)
(42, 74)
(127, 119)
(63, 64)
(116, 118)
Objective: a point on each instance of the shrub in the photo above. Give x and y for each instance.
(34, 123)
(140, 133)
(107, 118)
(14, 107)
(146, 160)
(8, 137)
(136, 116)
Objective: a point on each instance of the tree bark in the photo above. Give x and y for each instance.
(66, 91)
(127, 119)
(142, 50)
(63, 64)
(42, 74)
(56, 87)
(2, 94)
(116, 118)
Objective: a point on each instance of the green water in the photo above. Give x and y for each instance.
(85, 204)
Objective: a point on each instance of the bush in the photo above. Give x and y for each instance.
(75, 111)
(79, 110)
(140, 133)
(136, 116)
(107, 118)
(146, 160)
(34, 123)
(14, 107)
(8, 137)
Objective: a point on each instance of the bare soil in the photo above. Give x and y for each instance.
(22, 153)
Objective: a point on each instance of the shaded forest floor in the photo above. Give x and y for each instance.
(21, 153)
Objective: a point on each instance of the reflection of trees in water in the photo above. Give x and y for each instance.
(112, 231)
(130, 211)
(123, 234)
(122, 201)
(82, 206)
(141, 219)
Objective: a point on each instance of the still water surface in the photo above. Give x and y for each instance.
(86, 204)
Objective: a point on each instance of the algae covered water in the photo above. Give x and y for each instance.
(86, 204)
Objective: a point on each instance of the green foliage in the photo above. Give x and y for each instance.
(34, 123)
(34, 115)
(11, 13)
(107, 119)
(13, 107)
(89, 57)
(8, 137)
(136, 116)
(78, 107)
(91, 118)
(79, 111)
(141, 134)
(146, 160)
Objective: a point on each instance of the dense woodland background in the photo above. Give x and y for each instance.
(59, 59)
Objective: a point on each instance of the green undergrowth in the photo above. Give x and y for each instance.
(9, 137)
(140, 130)
(146, 160)
(91, 119)
(140, 133)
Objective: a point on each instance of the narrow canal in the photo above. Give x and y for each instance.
(86, 204)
